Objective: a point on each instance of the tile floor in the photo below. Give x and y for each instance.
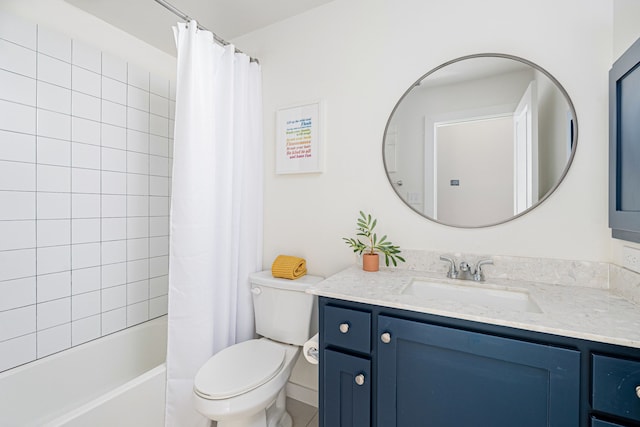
(303, 415)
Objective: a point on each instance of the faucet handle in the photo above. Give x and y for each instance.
(453, 271)
(478, 275)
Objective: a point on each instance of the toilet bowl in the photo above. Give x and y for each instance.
(244, 384)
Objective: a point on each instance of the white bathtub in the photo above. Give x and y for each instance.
(117, 380)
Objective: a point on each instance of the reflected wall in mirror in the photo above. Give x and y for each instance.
(480, 140)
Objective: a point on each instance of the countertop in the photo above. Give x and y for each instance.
(571, 311)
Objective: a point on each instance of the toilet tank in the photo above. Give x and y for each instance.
(281, 306)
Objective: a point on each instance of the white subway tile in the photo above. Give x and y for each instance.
(53, 125)
(17, 351)
(137, 184)
(159, 85)
(114, 252)
(159, 166)
(114, 114)
(17, 88)
(158, 286)
(114, 275)
(172, 111)
(18, 31)
(158, 125)
(86, 56)
(137, 141)
(114, 67)
(17, 205)
(85, 255)
(158, 186)
(85, 206)
(138, 77)
(114, 91)
(159, 145)
(54, 98)
(17, 235)
(53, 232)
(137, 162)
(137, 206)
(158, 306)
(54, 286)
(87, 329)
(114, 229)
(114, 183)
(85, 280)
(158, 226)
(114, 160)
(137, 313)
(158, 205)
(85, 181)
(137, 249)
(85, 305)
(137, 292)
(85, 230)
(86, 81)
(114, 320)
(85, 106)
(17, 293)
(137, 227)
(158, 246)
(54, 71)
(85, 130)
(114, 136)
(172, 90)
(17, 147)
(53, 259)
(137, 120)
(171, 146)
(113, 298)
(137, 270)
(17, 322)
(17, 117)
(17, 59)
(114, 206)
(54, 340)
(137, 98)
(54, 313)
(17, 176)
(85, 156)
(54, 179)
(54, 44)
(54, 205)
(55, 152)
(158, 266)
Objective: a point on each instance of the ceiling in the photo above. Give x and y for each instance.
(151, 22)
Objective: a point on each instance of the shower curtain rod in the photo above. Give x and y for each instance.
(187, 18)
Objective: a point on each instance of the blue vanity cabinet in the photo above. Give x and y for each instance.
(438, 376)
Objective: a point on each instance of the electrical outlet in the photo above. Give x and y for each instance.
(631, 258)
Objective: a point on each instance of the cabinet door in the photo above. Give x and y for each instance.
(442, 377)
(346, 391)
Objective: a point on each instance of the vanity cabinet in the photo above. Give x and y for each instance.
(385, 367)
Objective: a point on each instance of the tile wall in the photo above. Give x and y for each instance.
(85, 161)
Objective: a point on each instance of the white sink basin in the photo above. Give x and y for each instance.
(491, 296)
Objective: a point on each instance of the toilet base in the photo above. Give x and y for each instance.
(275, 415)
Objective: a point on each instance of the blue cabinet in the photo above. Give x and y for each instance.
(438, 376)
(347, 390)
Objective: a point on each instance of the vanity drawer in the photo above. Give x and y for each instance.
(346, 328)
(616, 386)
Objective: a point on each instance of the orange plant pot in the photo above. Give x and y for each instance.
(370, 262)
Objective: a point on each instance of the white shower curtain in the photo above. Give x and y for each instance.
(216, 210)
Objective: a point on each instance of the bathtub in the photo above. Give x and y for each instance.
(116, 380)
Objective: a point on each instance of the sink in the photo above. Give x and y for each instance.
(486, 295)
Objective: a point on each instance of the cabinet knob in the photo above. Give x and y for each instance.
(638, 391)
(359, 379)
(385, 337)
(344, 327)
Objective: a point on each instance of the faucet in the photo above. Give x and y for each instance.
(466, 271)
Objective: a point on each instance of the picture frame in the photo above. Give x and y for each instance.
(299, 139)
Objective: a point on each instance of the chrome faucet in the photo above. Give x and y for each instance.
(466, 271)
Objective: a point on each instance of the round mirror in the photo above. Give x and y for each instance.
(480, 140)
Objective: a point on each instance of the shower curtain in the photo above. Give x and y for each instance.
(216, 210)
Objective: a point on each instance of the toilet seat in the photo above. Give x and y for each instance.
(239, 369)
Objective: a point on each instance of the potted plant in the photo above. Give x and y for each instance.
(373, 246)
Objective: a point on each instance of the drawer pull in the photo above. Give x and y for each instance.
(359, 379)
(638, 391)
(385, 338)
(344, 328)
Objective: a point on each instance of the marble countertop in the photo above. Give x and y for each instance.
(572, 311)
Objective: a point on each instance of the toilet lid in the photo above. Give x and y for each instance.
(239, 369)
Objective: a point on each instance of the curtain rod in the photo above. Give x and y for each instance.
(187, 18)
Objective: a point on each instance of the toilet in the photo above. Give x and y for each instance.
(244, 384)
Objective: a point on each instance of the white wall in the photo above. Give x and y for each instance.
(361, 55)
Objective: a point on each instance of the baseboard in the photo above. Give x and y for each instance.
(302, 394)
